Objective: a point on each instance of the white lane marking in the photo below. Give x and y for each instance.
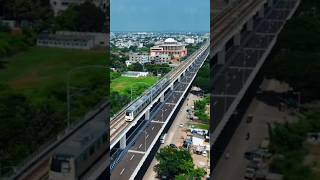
(140, 146)
(152, 128)
(147, 136)
(133, 151)
(132, 157)
(122, 171)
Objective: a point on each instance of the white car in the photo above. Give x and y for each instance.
(250, 173)
(181, 125)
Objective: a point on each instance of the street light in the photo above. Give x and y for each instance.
(225, 90)
(162, 115)
(243, 70)
(145, 140)
(298, 93)
(68, 85)
(131, 89)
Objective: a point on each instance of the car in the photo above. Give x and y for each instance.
(250, 173)
(173, 146)
(249, 155)
(181, 125)
(204, 153)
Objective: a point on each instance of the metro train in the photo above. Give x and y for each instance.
(145, 100)
(76, 156)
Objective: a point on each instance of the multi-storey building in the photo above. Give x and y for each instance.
(137, 58)
(170, 47)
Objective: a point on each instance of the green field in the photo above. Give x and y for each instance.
(201, 126)
(40, 66)
(123, 84)
(33, 101)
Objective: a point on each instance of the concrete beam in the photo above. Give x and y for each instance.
(123, 142)
(237, 39)
(222, 56)
(261, 12)
(147, 115)
(162, 97)
(250, 24)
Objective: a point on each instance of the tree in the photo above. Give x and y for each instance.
(90, 18)
(30, 10)
(66, 20)
(176, 163)
(202, 79)
(85, 17)
(135, 67)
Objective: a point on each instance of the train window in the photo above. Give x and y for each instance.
(58, 165)
(105, 137)
(91, 151)
(84, 156)
(98, 144)
(65, 167)
(55, 165)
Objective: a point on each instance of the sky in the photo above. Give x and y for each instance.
(160, 15)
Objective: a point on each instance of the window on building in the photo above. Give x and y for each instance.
(64, 3)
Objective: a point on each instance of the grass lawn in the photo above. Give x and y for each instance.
(121, 84)
(201, 126)
(40, 67)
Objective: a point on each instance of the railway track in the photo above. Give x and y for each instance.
(239, 12)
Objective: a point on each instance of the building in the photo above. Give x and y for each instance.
(137, 58)
(160, 59)
(169, 47)
(9, 23)
(135, 74)
(61, 5)
(189, 41)
(73, 40)
(65, 41)
(99, 39)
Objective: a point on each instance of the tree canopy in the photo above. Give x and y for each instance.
(135, 67)
(84, 17)
(177, 163)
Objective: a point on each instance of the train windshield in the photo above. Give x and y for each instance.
(128, 113)
(60, 165)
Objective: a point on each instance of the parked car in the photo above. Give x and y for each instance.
(250, 173)
(173, 146)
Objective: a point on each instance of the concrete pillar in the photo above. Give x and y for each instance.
(250, 25)
(237, 39)
(123, 142)
(261, 12)
(270, 3)
(222, 56)
(147, 115)
(162, 98)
